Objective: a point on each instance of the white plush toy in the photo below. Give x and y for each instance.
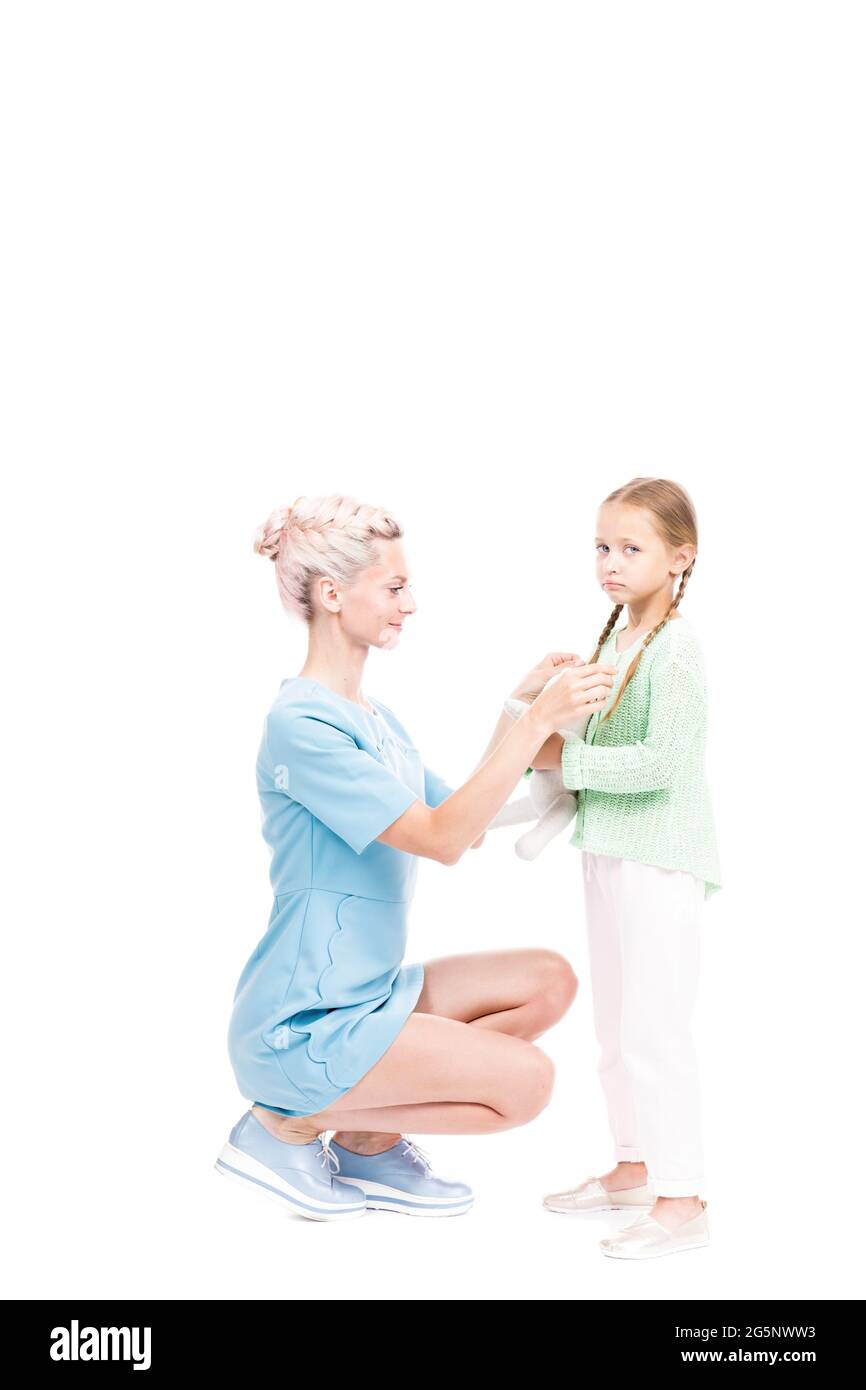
(549, 804)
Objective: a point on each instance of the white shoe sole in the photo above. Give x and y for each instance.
(418, 1211)
(591, 1211)
(380, 1197)
(239, 1167)
(655, 1254)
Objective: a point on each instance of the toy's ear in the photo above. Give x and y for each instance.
(516, 708)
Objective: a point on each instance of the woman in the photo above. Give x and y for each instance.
(329, 1030)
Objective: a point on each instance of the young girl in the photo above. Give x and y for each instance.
(645, 825)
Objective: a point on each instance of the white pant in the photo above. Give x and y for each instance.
(643, 932)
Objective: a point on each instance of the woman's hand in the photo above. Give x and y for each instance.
(577, 693)
(535, 680)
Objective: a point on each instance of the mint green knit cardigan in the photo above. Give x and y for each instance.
(640, 775)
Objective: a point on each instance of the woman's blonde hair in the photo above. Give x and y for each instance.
(319, 536)
(674, 518)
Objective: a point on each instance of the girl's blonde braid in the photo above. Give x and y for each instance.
(675, 603)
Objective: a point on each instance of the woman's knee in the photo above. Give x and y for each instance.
(558, 984)
(529, 1086)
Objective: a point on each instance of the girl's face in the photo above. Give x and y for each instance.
(632, 562)
(375, 608)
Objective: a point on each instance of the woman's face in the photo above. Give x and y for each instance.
(632, 561)
(375, 608)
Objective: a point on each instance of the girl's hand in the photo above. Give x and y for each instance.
(535, 680)
(577, 693)
(476, 844)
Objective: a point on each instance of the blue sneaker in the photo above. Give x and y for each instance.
(401, 1179)
(298, 1176)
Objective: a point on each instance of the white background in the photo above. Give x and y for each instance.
(479, 263)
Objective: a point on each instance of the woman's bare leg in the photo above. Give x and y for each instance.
(462, 1063)
(523, 991)
(439, 1076)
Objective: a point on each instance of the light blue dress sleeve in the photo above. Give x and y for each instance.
(321, 766)
(436, 789)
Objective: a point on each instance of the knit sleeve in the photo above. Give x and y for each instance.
(677, 707)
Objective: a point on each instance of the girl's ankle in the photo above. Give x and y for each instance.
(625, 1175)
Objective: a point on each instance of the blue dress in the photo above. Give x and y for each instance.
(325, 992)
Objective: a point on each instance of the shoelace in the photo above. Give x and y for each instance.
(417, 1155)
(326, 1155)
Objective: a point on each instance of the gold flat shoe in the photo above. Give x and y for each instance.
(646, 1238)
(592, 1195)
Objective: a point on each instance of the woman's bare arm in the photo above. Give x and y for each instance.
(444, 832)
(549, 754)
(526, 690)
(504, 723)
